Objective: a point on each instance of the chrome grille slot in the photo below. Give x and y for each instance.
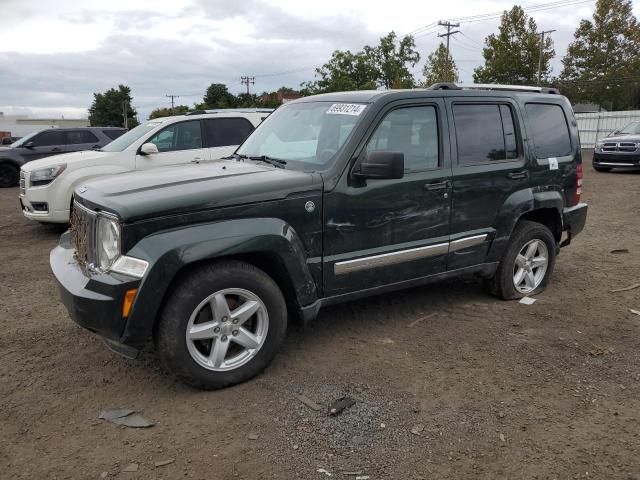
(609, 147)
(83, 228)
(627, 147)
(23, 183)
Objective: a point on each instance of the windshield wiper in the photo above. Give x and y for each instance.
(276, 162)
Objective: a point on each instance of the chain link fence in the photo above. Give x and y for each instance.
(594, 126)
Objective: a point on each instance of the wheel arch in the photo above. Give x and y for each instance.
(268, 244)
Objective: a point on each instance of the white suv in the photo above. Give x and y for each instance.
(46, 185)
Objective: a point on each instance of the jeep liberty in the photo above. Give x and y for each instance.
(333, 197)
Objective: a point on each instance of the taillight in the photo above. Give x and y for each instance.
(578, 183)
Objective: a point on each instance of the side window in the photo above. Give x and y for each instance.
(113, 134)
(49, 138)
(179, 136)
(222, 132)
(412, 131)
(484, 133)
(549, 130)
(75, 137)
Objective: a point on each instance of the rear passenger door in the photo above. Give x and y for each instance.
(78, 140)
(178, 143)
(225, 134)
(488, 169)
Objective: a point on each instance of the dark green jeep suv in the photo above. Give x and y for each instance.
(332, 198)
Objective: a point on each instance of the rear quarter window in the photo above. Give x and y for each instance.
(549, 130)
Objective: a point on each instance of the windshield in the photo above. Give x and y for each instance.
(631, 129)
(24, 139)
(122, 142)
(306, 135)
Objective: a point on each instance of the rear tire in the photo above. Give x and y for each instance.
(9, 175)
(203, 336)
(527, 264)
(601, 169)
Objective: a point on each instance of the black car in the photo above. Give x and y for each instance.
(621, 149)
(332, 198)
(46, 143)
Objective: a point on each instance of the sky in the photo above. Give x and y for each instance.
(55, 54)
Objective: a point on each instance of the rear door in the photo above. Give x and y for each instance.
(489, 168)
(78, 140)
(225, 134)
(46, 143)
(178, 143)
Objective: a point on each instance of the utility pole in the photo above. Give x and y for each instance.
(542, 34)
(246, 81)
(124, 114)
(449, 26)
(172, 97)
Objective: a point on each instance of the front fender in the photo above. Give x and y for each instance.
(170, 251)
(515, 206)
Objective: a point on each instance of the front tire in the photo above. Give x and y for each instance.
(9, 175)
(527, 264)
(222, 325)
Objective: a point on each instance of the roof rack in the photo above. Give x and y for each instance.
(231, 110)
(493, 86)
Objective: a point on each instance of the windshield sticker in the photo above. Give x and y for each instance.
(346, 109)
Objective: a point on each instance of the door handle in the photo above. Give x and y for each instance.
(437, 185)
(55, 149)
(518, 175)
(196, 160)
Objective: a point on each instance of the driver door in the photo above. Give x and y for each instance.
(384, 231)
(177, 143)
(45, 144)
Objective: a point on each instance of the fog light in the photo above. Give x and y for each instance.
(127, 303)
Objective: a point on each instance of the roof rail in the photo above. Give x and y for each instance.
(512, 88)
(444, 86)
(230, 110)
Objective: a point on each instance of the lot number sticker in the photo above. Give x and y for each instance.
(346, 109)
(553, 163)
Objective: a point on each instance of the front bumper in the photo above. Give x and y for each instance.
(33, 199)
(93, 300)
(573, 220)
(616, 160)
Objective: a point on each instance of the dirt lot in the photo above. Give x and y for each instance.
(480, 389)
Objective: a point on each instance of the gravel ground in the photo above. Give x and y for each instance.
(479, 388)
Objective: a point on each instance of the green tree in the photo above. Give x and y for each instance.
(218, 96)
(604, 55)
(511, 56)
(439, 68)
(167, 112)
(392, 60)
(107, 109)
(384, 65)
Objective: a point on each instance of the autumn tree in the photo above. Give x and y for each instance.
(512, 55)
(439, 67)
(108, 108)
(603, 61)
(168, 112)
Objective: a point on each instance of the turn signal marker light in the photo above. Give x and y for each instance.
(129, 297)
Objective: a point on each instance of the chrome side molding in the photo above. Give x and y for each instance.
(401, 256)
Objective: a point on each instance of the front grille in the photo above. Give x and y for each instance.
(23, 183)
(83, 228)
(619, 147)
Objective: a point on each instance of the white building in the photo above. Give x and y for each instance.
(21, 125)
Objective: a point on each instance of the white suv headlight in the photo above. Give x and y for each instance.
(107, 242)
(46, 175)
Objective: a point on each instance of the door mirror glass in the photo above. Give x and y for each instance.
(381, 165)
(148, 149)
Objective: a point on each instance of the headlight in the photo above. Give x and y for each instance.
(46, 175)
(107, 242)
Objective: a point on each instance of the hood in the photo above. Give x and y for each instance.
(5, 149)
(622, 138)
(69, 158)
(188, 188)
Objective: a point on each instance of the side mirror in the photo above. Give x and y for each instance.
(381, 165)
(28, 145)
(148, 149)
